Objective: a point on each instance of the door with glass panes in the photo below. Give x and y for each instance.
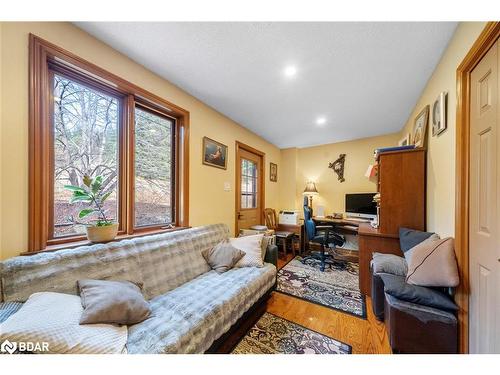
(249, 186)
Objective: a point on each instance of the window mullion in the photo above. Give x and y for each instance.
(129, 196)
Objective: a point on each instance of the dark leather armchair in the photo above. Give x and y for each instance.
(322, 236)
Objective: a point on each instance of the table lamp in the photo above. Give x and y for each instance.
(309, 191)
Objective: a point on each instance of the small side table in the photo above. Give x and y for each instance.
(298, 230)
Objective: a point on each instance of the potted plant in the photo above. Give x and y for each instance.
(92, 193)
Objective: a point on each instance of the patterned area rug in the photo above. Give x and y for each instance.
(337, 287)
(275, 335)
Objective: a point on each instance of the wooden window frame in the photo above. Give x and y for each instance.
(44, 58)
(147, 107)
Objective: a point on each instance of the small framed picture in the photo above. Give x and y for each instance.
(406, 141)
(420, 128)
(439, 114)
(273, 172)
(214, 153)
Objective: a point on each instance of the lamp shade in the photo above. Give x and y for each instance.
(310, 189)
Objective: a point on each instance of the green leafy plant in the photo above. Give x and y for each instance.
(92, 193)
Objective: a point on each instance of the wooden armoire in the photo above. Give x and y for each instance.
(402, 188)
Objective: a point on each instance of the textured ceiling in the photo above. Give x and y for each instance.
(363, 78)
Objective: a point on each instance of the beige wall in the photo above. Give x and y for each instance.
(209, 203)
(311, 163)
(1, 144)
(441, 149)
(287, 175)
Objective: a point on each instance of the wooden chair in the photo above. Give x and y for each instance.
(282, 237)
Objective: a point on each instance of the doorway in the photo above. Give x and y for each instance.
(249, 186)
(478, 188)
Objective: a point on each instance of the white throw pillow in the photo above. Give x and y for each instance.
(53, 318)
(251, 245)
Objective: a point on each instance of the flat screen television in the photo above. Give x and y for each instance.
(361, 205)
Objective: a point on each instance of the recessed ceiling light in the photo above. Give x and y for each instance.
(321, 121)
(290, 71)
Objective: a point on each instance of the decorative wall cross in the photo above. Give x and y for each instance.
(338, 167)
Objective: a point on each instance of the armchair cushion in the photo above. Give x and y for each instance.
(433, 263)
(397, 287)
(408, 238)
(389, 263)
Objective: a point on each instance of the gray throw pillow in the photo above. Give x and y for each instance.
(389, 263)
(397, 287)
(223, 256)
(112, 302)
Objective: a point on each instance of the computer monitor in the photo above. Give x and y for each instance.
(360, 205)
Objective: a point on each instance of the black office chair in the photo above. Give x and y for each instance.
(323, 236)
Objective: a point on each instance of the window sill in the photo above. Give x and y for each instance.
(72, 245)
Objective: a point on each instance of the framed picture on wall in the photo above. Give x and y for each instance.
(214, 153)
(420, 128)
(273, 172)
(405, 141)
(439, 114)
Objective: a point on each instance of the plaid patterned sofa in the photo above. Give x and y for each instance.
(192, 305)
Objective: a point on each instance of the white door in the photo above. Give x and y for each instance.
(484, 253)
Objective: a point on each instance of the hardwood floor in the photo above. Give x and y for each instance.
(365, 336)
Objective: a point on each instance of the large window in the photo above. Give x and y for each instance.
(86, 121)
(154, 157)
(85, 125)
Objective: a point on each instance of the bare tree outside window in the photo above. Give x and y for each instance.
(248, 184)
(153, 169)
(86, 124)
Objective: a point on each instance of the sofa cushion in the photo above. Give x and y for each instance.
(389, 263)
(160, 262)
(408, 238)
(433, 264)
(191, 317)
(112, 302)
(396, 286)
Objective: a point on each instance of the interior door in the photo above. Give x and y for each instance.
(484, 226)
(249, 187)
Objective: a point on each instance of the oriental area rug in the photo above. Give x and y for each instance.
(337, 287)
(275, 335)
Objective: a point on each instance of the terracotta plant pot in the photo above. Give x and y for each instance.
(102, 234)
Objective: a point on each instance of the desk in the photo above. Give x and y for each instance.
(349, 226)
(373, 240)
